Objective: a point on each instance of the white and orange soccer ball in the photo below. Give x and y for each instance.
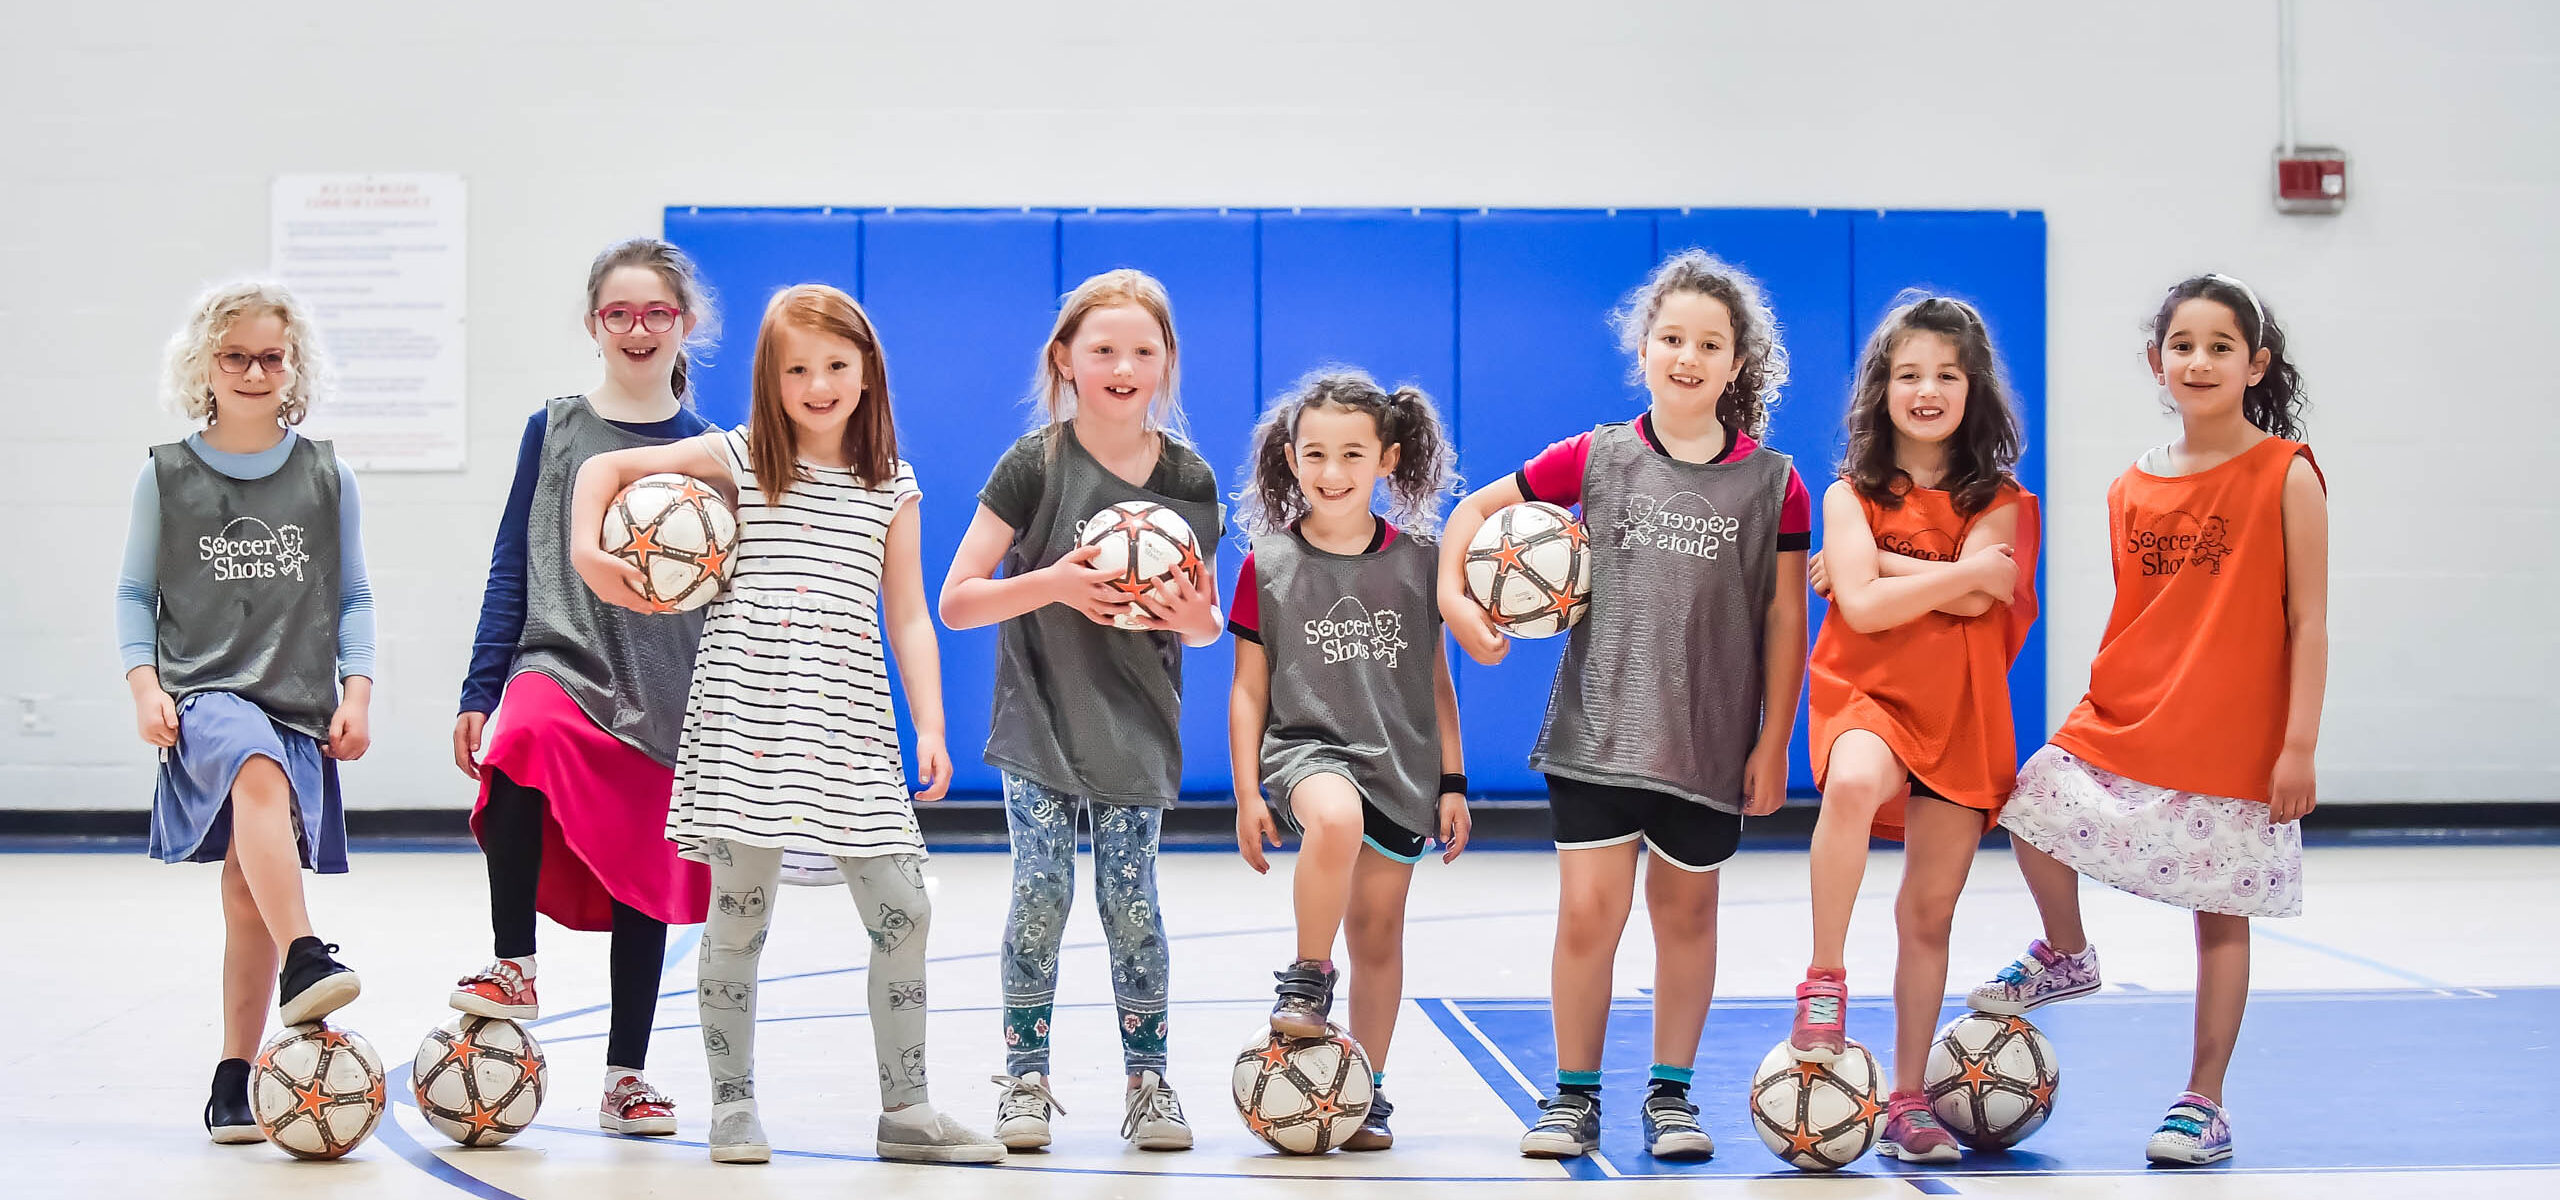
(1991, 1079)
(1530, 566)
(680, 534)
(1818, 1116)
(479, 1080)
(317, 1091)
(1142, 543)
(1302, 1095)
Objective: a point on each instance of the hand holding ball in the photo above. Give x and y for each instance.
(1140, 544)
(679, 536)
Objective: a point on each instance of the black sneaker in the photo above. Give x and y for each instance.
(1373, 1133)
(1671, 1128)
(227, 1115)
(1568, 1128)
(1306, 999)
(312, 984)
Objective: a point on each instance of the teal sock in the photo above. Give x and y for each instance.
(1669, 1080)
(1580, 1083)
(1377, 1079)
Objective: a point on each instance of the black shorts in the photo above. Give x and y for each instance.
(1684, 833)
(1376, 828)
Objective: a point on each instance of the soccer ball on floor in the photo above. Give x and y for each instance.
(317, 1091)
(479, 1080)
(1302, 1095)
(1818, 1116)
(1141, 542)
(1991, 1079)
(1530, 566)
(679, 533)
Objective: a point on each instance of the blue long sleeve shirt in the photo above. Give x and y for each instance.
(138, 583)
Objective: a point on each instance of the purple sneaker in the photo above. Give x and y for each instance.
(1912, 1132)
(2040, 976)
(2193, 1134)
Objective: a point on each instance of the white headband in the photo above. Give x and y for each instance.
(2259, 310)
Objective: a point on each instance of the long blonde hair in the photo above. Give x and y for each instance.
(1054, 395)
(187, 384)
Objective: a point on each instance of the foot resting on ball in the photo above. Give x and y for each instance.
(1306, 999)
(502, 989)
(312, 984)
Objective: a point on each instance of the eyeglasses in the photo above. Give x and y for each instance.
(233, 362)
(657, 318)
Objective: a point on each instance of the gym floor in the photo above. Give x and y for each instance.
(2400, 1035)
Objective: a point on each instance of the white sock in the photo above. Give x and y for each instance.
(614, 1075)
(524, 966)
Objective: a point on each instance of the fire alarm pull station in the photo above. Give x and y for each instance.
(2311, 179)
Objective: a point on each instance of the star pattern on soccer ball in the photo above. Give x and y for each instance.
(1274, 1056)
(311, 1100)
(1976, 1075)
(644, 542)
(1257, 1124)
(2043, 1091)
(689, 492)
(1190, 564)
(1574, 532)
(1132, 522)
(1324, 1110)
(1801, 1141)
(1868, 1108)
(482, 1118)
(1506, 557)
(1807, 1074)
(1562, 606)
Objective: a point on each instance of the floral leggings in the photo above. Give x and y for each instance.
(1042, 823)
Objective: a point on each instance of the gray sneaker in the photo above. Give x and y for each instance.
(1154, 1121)
(2040, 976)
(1022, 1110)
(916, 1133)
(737, 1137)
(1569, 1127)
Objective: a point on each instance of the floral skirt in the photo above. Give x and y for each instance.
(2208, 853)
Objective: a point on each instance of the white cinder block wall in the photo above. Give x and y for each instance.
(140, 139)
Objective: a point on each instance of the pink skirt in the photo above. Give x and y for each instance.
(604, 831)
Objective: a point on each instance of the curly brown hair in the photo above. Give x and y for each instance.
(1761, 371)
(1982, 456)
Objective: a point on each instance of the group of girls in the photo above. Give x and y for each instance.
(638, 769)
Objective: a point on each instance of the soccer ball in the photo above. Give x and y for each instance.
(1143, 543)
(317, 1091)
(679, 533)
(1818, 1116)
(479, 1079)
(1530, 567)
(1302, 1095)
(1991, 1079)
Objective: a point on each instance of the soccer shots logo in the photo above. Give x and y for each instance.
(2178, 541)
(1685, 523)
(249, 548)
(1348, 631)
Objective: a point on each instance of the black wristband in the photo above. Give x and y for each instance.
(1455, 781)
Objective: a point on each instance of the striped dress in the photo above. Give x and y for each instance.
(789, 737)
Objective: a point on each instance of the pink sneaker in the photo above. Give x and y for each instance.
(2040, 976)
(499, 990)
(1821, 1032)
(632, 1106)
(1912, 1132)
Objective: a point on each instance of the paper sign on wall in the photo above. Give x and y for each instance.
(379, 260)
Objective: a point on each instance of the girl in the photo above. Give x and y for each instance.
(241, 612)
(574, 781)
(1087, 715)
(2181, 775)
(789, 742)
(1671, 711)
(1341, 709)
(1930, 563)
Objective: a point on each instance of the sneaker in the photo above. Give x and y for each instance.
(312, 985)
(737, 1136)
(1373, 1133)
(632, 1106)
(2040, 976)
(918, 1134)
(1306, 999)
(501, 989)
(227, 1115)
(1155, 1116)
(1822, 1029)
(1671, 1128)
(1022, 1110)
(1912, 1132)
(1568, 1127)
(2194, 1133)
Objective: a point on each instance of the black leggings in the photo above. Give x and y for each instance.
(511, 836)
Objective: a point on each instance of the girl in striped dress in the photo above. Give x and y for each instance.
(789, 740)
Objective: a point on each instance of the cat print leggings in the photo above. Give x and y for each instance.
(1042, 823)
(889, 891)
